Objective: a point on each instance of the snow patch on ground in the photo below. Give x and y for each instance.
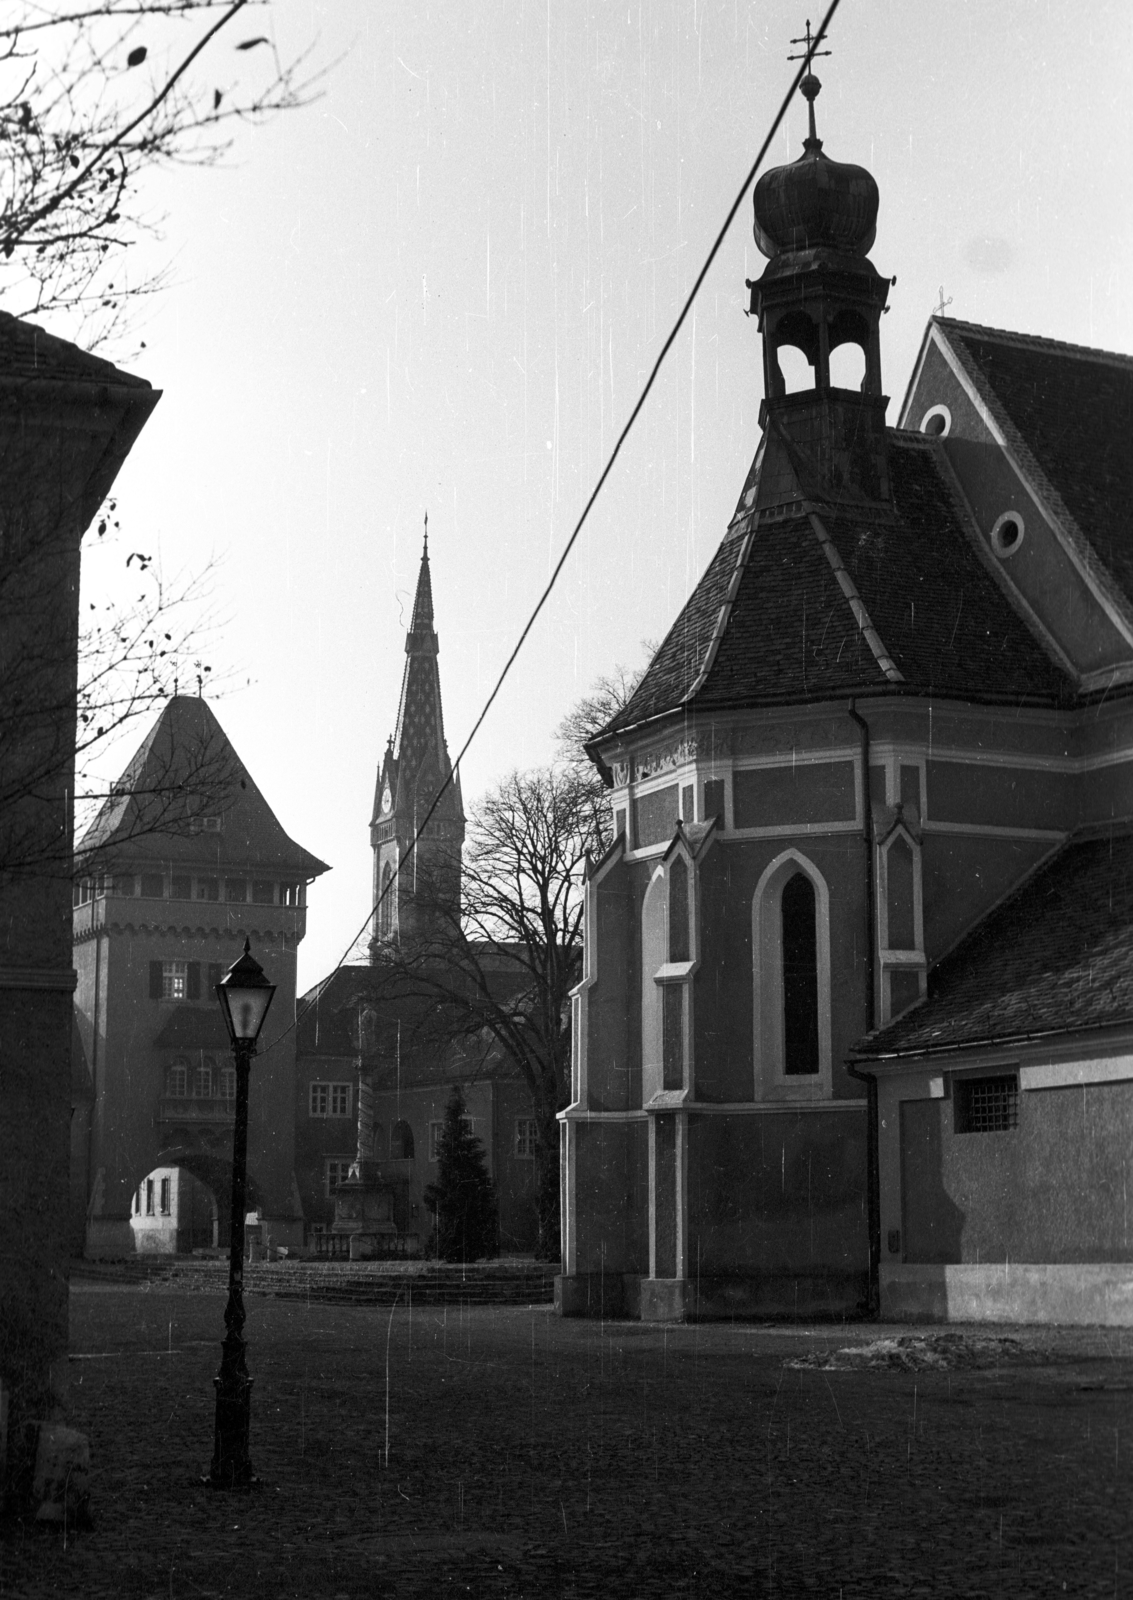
(924, 1352)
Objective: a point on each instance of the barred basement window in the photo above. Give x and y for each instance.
(985, 1105)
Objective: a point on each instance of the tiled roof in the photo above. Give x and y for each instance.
(187, 767)
(791, 635)
(29, 352)
(1067, 412)
(1056, 957)
(194, 1028)
(406, 1043)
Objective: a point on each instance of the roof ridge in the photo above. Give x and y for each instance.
(1036, 341)
(888, 667)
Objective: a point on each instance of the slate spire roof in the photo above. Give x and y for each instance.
(186, 769)
(418, 758)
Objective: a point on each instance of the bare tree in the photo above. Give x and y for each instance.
(93, 98)
(499, 961)
(588, 716)
(133, 652)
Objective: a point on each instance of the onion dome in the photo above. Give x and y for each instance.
(815, 203)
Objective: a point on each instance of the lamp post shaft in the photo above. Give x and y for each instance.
(231, 1467)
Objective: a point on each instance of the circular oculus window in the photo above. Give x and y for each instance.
(937, 422)
(1007, 534)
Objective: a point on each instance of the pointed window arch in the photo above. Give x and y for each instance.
(385, 908)
(791, 959)
(800, 977)
(654, 945)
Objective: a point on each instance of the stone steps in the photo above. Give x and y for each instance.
(347, 1283)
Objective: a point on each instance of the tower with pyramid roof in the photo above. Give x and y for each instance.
(185, 860)
(411, 773)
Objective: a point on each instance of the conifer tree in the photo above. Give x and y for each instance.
(463, 1199)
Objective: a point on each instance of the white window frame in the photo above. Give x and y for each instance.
(525, 1136)
(336, 1169)
(174, 980)
(329, 1101)
(771, 1081)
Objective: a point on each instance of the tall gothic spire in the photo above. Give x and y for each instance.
(410, 776)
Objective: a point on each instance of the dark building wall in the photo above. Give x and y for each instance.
(729, 875)
(67, 423)
(1053, 1189)
(611, 1193)
(135, 1126)
(614, 1057)
(777, 1193)
(494, 1106)
(964, 876)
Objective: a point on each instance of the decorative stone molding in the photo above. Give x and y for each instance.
(65, 978)
(665, 759)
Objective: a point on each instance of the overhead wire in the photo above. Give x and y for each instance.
(670, 339)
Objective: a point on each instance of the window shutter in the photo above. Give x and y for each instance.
(216, 972)
(155, 980)
(194, 985)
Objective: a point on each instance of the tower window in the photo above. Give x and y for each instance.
(385, 908)
(800, 978)
(174, 980)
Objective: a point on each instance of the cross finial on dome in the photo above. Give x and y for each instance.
(810, 85)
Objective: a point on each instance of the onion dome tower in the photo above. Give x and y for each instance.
(815, 219)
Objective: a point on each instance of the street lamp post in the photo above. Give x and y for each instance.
(245, 995)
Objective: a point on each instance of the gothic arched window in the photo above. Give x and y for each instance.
(791, 950)
(385, 909)
(800, 977)
(678, 910)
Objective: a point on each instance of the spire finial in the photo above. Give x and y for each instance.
(426, 535)
(809, 86)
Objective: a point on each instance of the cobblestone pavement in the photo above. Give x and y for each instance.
(503, 1452)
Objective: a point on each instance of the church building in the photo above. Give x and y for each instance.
(376, 1069)
(855, 1022)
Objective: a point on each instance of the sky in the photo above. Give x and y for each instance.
(439, 288)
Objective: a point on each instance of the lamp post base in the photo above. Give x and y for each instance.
(231, 1466)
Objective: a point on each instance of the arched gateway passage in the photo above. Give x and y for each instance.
(184, 1203)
